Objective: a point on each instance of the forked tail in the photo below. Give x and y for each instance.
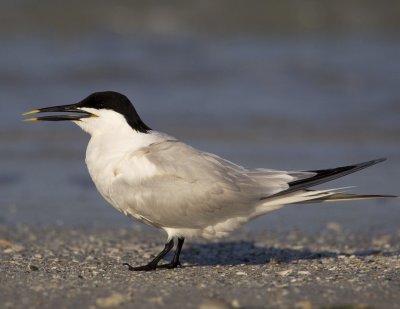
(298, 191)
(339, 197)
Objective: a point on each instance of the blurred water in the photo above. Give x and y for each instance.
(288, 103)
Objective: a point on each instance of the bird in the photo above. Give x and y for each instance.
(161, 181)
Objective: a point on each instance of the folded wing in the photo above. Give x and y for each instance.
(191, 188)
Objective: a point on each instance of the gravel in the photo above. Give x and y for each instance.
(50, 267)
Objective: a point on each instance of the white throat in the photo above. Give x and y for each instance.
(112, 140)
(111, 133)
(106, 121)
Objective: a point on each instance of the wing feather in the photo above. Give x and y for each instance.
(188, 187)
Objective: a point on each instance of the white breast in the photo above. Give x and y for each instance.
(105, 153)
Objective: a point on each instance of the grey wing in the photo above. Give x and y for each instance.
(190, 187)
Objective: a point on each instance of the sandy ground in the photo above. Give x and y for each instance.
(70, 267)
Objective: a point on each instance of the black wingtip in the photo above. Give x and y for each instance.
(379, 160)
(322, 176)
(351, 168)
(372, 162)
(363, 165)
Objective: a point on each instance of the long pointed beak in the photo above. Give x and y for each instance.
(79, 113)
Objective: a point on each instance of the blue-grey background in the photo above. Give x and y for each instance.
(277, 84)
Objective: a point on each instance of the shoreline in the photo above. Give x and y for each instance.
(65, 267)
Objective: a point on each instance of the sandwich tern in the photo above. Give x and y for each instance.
(156, 179)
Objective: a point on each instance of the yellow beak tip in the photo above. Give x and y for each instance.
(30, 120)
(35, 111)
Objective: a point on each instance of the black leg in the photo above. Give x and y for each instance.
(175, 261)
(153, 264)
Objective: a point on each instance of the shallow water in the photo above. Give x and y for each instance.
(286, 103)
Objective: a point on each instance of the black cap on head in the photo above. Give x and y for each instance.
(117, 102)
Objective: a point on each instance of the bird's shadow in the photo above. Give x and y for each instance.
(246, 252)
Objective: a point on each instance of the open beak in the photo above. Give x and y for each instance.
(72, 108)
